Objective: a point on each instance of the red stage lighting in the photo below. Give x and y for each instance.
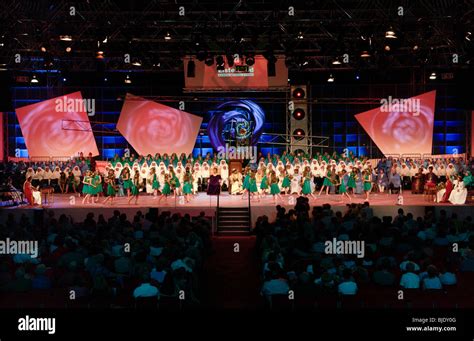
(298, 134)
(299, 114)
(298, 93)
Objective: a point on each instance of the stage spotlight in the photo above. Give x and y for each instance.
(128, 80)
(298, 93)
(357, 76)
(336, 61)
(65, 37)
(168, 36)
(136, 62)
(43, 48)
(209, 61)
(415, 47)
(250, 60)
(468, 36)
(105, 79)
(390, 34)
(64, 79)
(331, 78)
(68, 49)
(365, 54)
(34, 80)
(299, 114)
(433, 76)
(387, 48)
(300, 36)
(298, 134)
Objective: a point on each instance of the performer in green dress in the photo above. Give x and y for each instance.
(327, 180)
(187, 186)
(306, 188)
(111, 186)
(286, 183)
(351, 182)
(367, 183)
(264, 183)
(274, 188)
(87, 188)
(135, 190)
(245, 184)
(127, 181)
(97, 182)
(166, 190)
(342, 185)
(253, 189)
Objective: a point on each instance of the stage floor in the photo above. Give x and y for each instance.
(202, 200)
(382, 204)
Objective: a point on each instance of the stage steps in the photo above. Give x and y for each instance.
(233, 221)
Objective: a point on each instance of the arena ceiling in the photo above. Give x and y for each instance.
(156, 34)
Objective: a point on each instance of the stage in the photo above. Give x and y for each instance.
(382, 204)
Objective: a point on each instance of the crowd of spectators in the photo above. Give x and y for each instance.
(428, 253)
(113, 261)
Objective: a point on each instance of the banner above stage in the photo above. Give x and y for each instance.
(58, 127)
(152, 127)
(401, 126)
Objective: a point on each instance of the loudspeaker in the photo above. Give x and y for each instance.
(191, 69)
(6, 91)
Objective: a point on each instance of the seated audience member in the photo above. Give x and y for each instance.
(348, 286)
(383, 276)
(432, 281)
(410, 280)
(467, 264)
(41, 280)
(447, 276)
(145, 289)
(275, 285)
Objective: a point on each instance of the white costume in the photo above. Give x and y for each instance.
(458, 194)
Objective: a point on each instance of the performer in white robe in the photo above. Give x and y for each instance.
(450, 171)
(224, 171)
(235, 180)
(295, 183)
(459, 193)
(77, 175)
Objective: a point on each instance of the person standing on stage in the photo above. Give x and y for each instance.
(153, 181)
(253, 189)
(111, 187)
(135, 189)
(274, 188)
(97, 182)
(286, 183)
(127, 181)
(214, 183)
(351, 181)
(327, 182)
(306, 182)
(187, 186)
(343, 180)
(87, 188)
(166, 191)
(367, 176)
(245, 184)
(263, 180)
(235, 182)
